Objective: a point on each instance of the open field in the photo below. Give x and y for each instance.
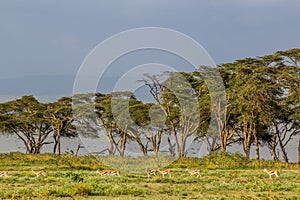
(224, 176)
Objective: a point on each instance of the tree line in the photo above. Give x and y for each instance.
(260, 107)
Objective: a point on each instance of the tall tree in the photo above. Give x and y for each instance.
(253, 88)
(130, 115)
(60, 116)
(116, 133)
(179, 102)
(291, 58)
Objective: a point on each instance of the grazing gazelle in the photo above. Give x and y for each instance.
(272, 172)
(114, 173)
(165, 172)
(194, 172)
(151, 172)
(103, 173)
(4, 173)
(39, 172)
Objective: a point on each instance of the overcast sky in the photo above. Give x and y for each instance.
(53, 37)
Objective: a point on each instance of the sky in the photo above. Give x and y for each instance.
(43, 43)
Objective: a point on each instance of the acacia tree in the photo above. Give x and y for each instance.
(104, 115)
(150, 123)
(199, 86)
(283, 129)
(291, 66)
(215, 107)
(253, 87)
(60, 116)
(179, 102)
(25, 118)
(130, 115)
(157, 128)
(117, 135)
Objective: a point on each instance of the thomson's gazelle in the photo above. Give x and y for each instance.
(194, 172)
(103, 173)
(114, 173)
(109, 173)
(272, 172)
(151, 172)
(39, 172)
(165, 172)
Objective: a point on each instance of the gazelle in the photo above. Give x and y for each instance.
(39, 172)
(114, 173)
(272, 172)
(151, 172)
(4, 173)
(165, 172)
(103, 173)
(109, 172)
(194, 172)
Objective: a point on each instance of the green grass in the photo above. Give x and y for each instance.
(224, 176)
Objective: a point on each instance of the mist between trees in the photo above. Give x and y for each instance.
(261, 107)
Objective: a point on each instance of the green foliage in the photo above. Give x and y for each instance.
(74, 177)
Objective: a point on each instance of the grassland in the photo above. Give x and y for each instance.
(224, 176)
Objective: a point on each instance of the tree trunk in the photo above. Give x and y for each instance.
(24, 141)
(111, 149)
(247, 141)
(108, 131)
(273, 152)
(31, 147)
(55, 141)
(299, 151)
(223, 141)
(58, 142)
(77, 150)
(156, 140)
(182, 145)
(171, 147)
(55, 146)
(181, 151)
(123, 145)
(37, 149)
(256, 145)
(176, 140)
(247, 138)
(247, 151)
(141, 145)
(285, 156)
(257, 156)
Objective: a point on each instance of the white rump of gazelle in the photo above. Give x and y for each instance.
(272, 172)
(39, 172)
